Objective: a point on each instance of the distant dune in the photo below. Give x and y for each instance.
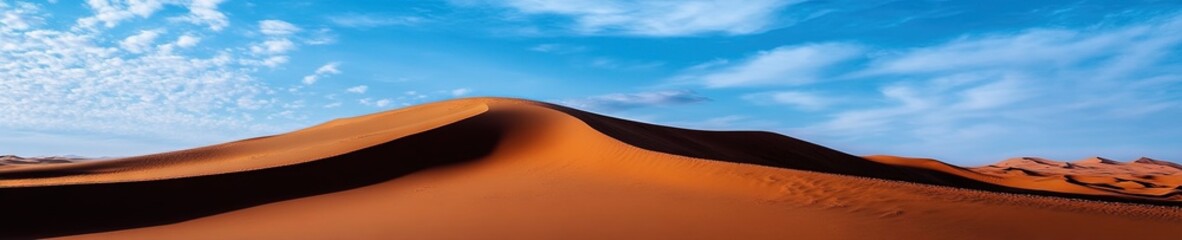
(11, 161)
(1143, 180)
(494, 168)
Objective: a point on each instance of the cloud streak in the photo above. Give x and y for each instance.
(787, 65)
(996, 87)
(625, 101)
(354, 20)
(328, 69)
(799, 99)
(657, 18)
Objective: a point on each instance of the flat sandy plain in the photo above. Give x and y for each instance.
(495, 168)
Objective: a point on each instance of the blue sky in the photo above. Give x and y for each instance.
(969, 82)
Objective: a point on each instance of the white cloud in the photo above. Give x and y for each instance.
(79, 81)
(18, 17)
(274, 46)
(140, 42)
(412, 95)
(460, 92)
(372, 21)
(321, 72)
(382, 103)
(271, 61)
(801, 100)
(310, 79)
(358, 89)
(557, 48)
(787, 65)
(110, 13)
(625, 101)
(616, 64)
(206, 12)
(994, 94)
(870, 121)
(277, 43)
(375, 103)
(277, 27)
(330, 68)
(1040, 47)
(187, 41)
(999, 88)
(659, 18)
(323, 36)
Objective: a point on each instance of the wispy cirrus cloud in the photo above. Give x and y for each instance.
(273, 27)
(1000, 86)
(1102, 70)
(625, 101)
(787, 65)
(328, 69)
(557, 48)
(657, 18)
(803, 100)
(357, 20)
(359, 89)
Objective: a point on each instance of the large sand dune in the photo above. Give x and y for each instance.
(488, 168)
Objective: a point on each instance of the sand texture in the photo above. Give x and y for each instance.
(494, 168)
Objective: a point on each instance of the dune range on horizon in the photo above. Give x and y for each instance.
(498, 168)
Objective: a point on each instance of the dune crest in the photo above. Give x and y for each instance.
(494, 168)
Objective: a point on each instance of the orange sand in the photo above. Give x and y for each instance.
(488, 168)
(1143, 179)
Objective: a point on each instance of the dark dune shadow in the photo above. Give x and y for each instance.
(40, 212)
(761, 148)
(775, 150)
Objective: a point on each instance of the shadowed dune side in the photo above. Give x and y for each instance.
(761, 148)
(47, 211)
(775, 150)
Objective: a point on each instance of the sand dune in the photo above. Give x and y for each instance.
(11, 161)
(490, 168)
(1143, 180)
(1145, 177)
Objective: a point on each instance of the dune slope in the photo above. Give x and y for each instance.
(492, 168)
